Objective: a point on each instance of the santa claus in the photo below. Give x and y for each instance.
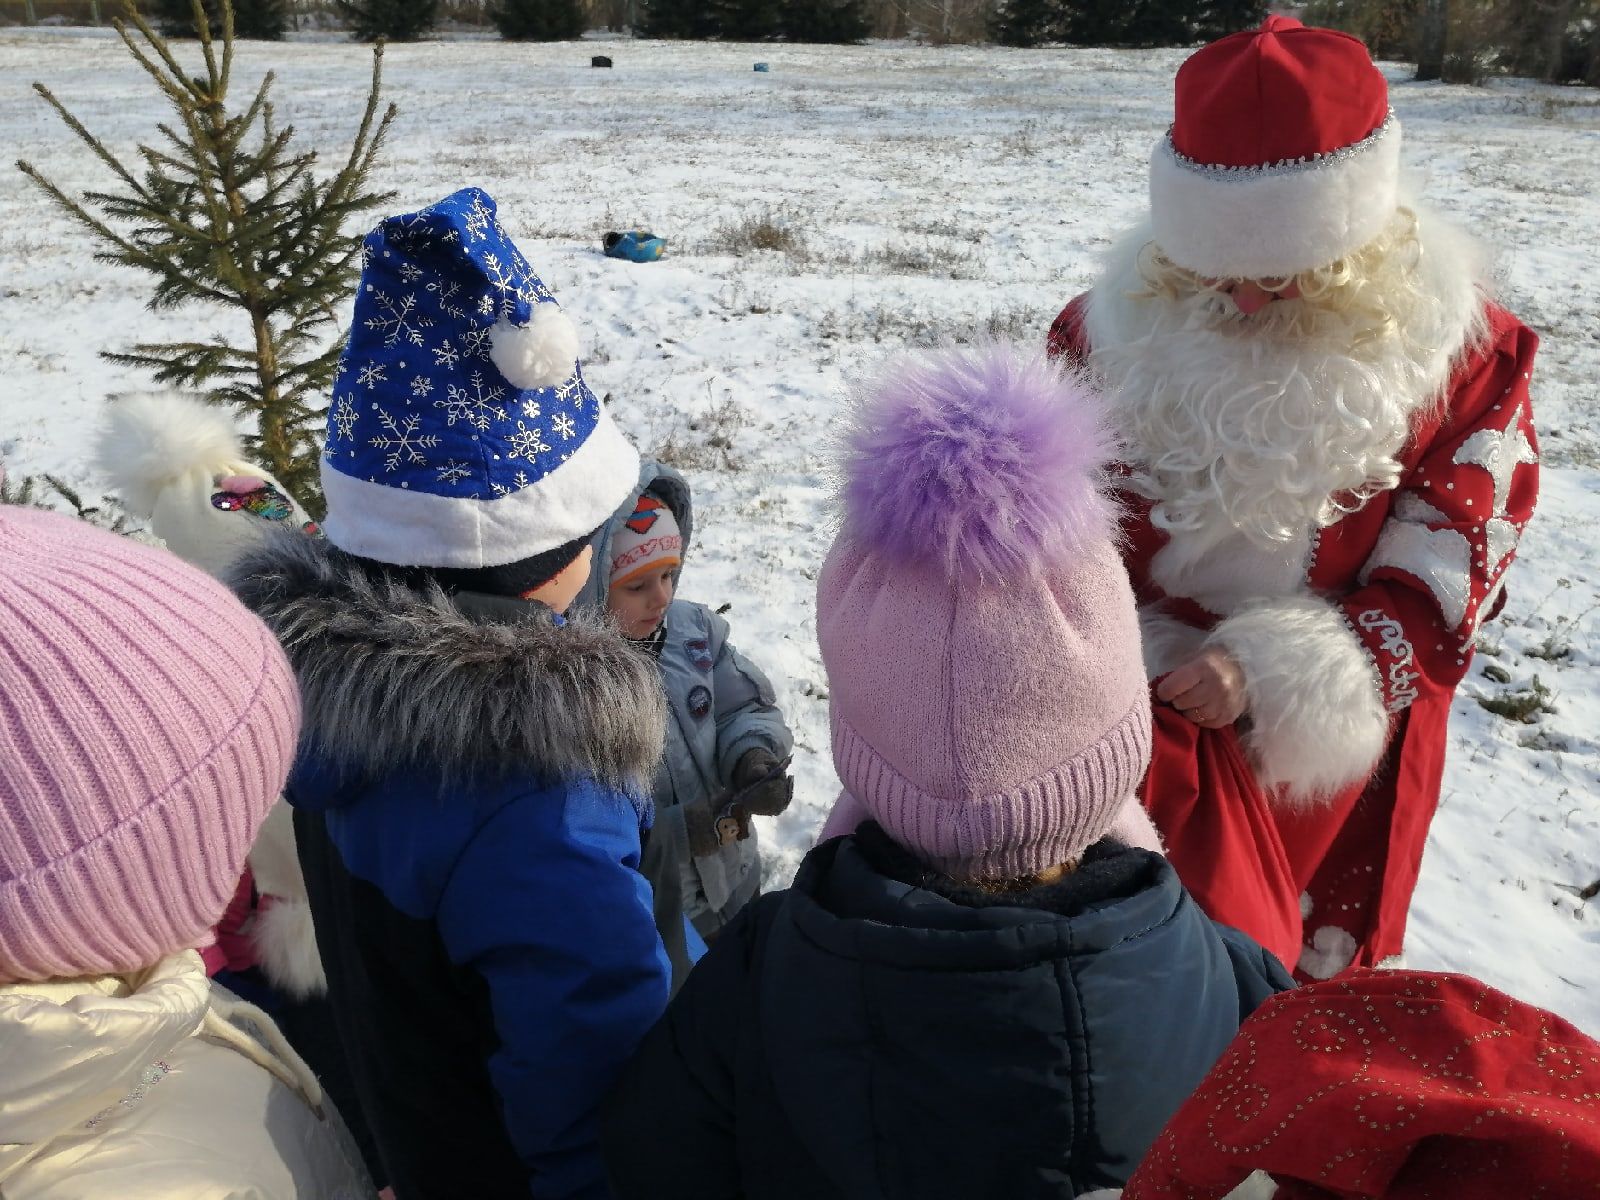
(1330, 458)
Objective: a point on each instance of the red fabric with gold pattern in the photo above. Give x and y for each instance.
(1391, 1085)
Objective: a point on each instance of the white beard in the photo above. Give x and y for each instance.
(1237, 425)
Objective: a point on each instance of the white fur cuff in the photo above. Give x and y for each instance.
(1318, 724)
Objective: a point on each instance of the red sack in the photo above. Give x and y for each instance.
(1399, 1085)
(1219, 831)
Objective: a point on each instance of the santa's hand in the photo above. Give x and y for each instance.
(1208, 689)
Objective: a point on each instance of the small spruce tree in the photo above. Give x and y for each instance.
(224, 214)
(392, 20)
(538, 20)
(264, 19)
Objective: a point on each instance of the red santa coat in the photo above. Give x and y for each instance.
(1327, 884)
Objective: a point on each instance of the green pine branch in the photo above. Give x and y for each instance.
(222, 210)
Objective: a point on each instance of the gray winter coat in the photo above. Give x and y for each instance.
(722, 707)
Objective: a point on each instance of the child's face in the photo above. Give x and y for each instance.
(560, 592)
(641, 602)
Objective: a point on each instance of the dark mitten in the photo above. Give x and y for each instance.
(762, 782)
(701, 824)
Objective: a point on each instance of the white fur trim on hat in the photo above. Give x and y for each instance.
(417, 529)
(1271, 221)
(540, 354)
(1318, 723)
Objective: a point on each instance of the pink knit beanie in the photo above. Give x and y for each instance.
(988, 700)
(147, 723)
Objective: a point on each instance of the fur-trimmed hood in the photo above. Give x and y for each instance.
(395, 675)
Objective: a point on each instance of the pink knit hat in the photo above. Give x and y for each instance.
(988, 699)
(147, 723)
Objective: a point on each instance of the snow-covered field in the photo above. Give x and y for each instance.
(928, 194)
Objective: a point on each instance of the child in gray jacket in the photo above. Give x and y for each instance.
(727, 748)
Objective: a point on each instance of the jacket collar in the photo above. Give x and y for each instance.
(847, 906)
(394, 674)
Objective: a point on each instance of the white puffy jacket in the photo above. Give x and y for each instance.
(160, 1085)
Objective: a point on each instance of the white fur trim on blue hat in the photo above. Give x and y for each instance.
(416, 528)
(1272, 221)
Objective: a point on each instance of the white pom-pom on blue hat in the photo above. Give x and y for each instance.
(461, 432)
(540, 354)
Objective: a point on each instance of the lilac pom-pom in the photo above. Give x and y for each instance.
(987, 463)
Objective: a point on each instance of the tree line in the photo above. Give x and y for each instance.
(1466, 41)
(1459, 41)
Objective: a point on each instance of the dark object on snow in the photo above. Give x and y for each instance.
(635, 245)
(762, 67)
(600, 60)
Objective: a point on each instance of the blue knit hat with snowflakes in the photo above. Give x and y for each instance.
(461, 434)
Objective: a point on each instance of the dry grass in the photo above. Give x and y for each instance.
(707, 441)
(768, 230)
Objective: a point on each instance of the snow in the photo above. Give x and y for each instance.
(927, 194)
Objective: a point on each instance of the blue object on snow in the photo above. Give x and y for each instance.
(634, 246)
(762, 67)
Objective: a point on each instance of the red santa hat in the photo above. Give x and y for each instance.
(1389, 1085)
(1283, 154)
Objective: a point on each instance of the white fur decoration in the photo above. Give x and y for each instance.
(1259, 224)
(1329, 951)
(540, 354)
(152, 439)
(1318, 723)
(1258, 1185)
(286, 942)
(283, 934)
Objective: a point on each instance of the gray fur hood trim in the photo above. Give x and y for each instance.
(393, 676)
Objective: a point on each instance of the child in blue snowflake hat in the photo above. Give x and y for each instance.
(473, 781)
(727, 744)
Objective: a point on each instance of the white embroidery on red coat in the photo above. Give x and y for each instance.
(1393, 641)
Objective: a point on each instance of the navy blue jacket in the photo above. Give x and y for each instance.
(877, 1032)
(469, 802)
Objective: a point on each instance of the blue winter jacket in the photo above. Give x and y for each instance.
(469, 802)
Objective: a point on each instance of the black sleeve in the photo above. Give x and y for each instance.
(668, 1128)
(1258, 972)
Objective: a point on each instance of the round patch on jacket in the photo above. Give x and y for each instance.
(699, 653)
(700, 702)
